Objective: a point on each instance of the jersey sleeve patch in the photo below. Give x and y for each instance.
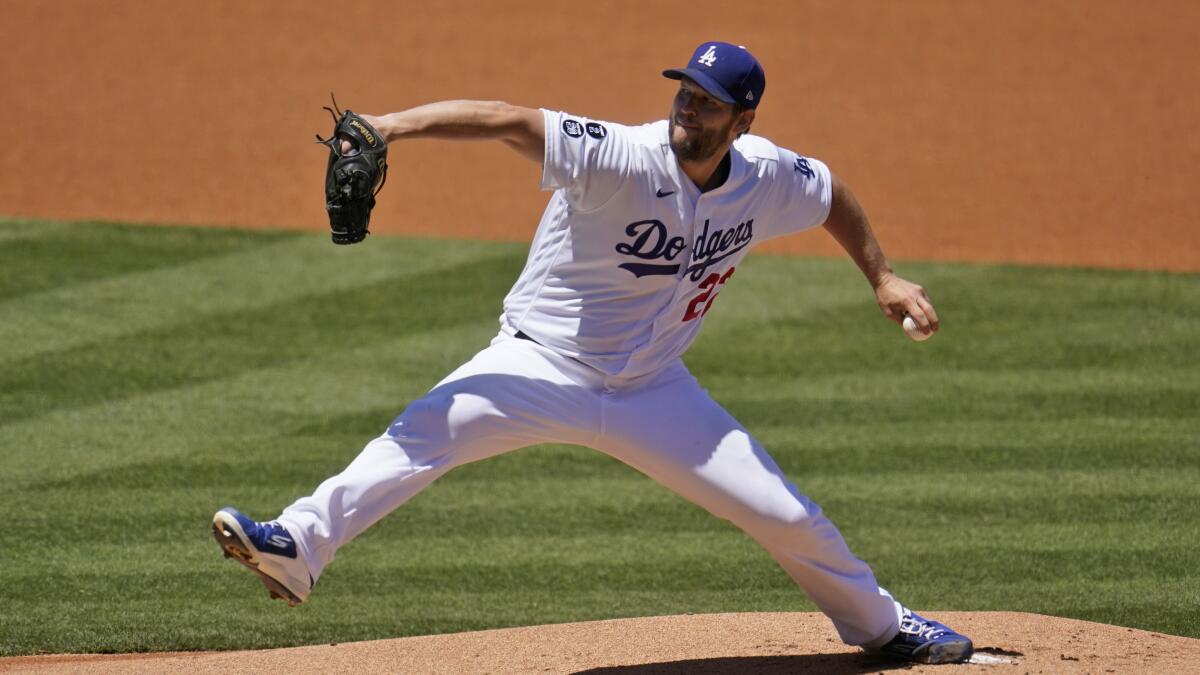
(572, 128)
(596, 130)
(586, 159)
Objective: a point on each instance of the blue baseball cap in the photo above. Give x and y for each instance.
(729, 72)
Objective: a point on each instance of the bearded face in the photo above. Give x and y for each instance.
(700, 125)
(696, 144)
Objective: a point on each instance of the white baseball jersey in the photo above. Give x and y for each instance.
(630, 255)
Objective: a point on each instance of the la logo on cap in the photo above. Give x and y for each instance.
(709, 57)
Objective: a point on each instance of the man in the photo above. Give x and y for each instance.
(645, 227)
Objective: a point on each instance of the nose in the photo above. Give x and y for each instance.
(687, 104)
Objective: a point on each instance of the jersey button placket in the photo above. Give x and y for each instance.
(698, 219)
(684, 285)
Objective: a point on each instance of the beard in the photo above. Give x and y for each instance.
(698, 147)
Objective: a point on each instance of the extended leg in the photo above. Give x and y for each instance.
(675, 433)
(508, 396)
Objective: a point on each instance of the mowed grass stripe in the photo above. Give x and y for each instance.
(429, 557)
(937, 446)
(39, 257)
(219, 345)
(994, 319)
(20, 229)
(267, 413)
(267, 270)
(1123, 394)
(686, 562)
(625, 502)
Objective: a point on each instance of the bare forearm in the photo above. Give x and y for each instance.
(450, 120)
(849, 226)
(896, 297)
(520, 128)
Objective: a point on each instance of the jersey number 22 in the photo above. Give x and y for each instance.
(711, 285)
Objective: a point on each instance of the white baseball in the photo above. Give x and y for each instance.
(913, 331)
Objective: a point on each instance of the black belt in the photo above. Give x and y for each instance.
(522, 336)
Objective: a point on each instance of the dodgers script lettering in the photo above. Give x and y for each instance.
(650, 242)
(712, 248)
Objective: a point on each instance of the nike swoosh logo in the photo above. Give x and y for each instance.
(662, 194)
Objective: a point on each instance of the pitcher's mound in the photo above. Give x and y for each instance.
(1006, 642)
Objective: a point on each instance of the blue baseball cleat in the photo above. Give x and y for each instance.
(268, 550)
(927, 641)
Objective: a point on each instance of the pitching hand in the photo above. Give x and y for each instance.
(897, 297)
(347, 146)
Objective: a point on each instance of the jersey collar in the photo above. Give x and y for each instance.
(737, 167)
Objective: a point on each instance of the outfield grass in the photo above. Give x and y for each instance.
(1041, 454)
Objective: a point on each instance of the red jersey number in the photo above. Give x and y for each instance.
(709, 288)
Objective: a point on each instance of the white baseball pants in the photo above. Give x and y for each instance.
(516, 393)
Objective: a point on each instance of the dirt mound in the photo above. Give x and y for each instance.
(708, 643)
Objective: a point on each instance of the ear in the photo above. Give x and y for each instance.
(743, 124)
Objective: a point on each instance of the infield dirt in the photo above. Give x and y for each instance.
(1017, 131)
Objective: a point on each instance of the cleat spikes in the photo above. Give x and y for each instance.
(258, 547)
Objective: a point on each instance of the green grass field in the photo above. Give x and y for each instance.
(1041, 454)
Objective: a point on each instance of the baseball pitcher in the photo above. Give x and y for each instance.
(644, 228)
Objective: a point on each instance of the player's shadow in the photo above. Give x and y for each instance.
(825, 664)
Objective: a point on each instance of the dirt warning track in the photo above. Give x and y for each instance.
(1015, 130)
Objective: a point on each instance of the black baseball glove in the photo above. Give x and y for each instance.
(353, 178)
